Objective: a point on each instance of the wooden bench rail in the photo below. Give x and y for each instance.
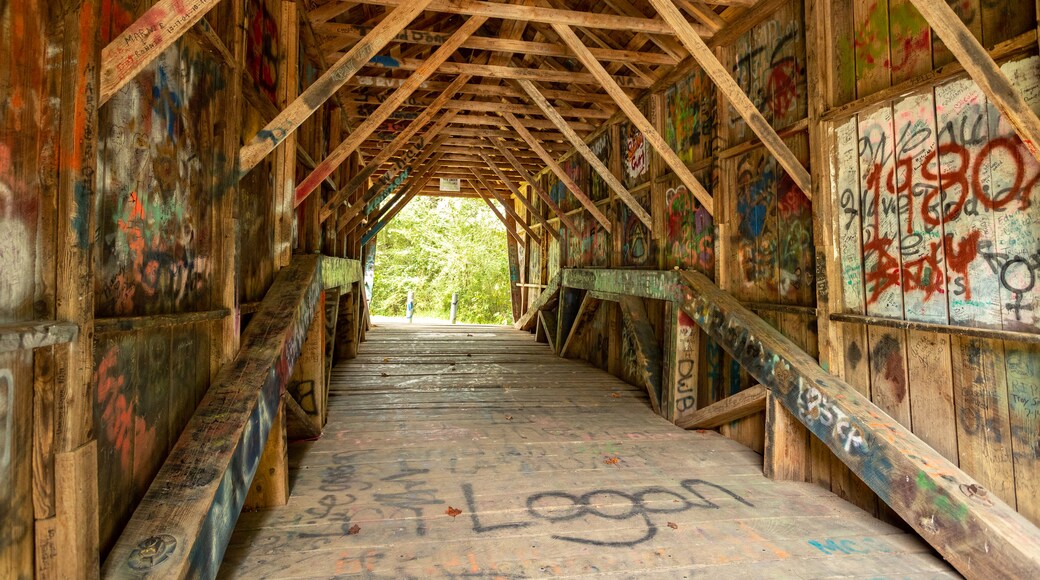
(973, 529)
(655, 284)
(737, 406)
(339, 272)
(36, 334)
(185, 520)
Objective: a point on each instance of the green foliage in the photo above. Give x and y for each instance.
(437, 246)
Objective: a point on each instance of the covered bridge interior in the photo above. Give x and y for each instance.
(773, 265)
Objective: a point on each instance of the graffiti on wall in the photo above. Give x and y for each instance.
(690, 235)
(163, 164)
(756, 218)
(600, 146)
(940, 226)
(690, 117)
(635, 161)
(769, 66)
(637, 244)
(262, 52)
(591, 245)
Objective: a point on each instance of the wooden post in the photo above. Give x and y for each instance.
(285, 151)
(682, 365)
(77, 546)
(786, 456)
(346, 326)
(307, 384)
(270, 486)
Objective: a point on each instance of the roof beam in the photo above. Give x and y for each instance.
(550, 15)
(354, 140)
(532, 183)
(637, 118)
(482, 90)
(584, 151)
(516, 193)
(740, 101)
(555, 168)
(511, 72)
(398, 142)
(348, 33)
(315, 95)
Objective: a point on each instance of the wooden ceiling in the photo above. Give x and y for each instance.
(465, 112)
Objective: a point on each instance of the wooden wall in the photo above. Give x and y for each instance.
(128, 219)
(924, 212)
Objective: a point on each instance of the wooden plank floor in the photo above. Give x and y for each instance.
(556, 469)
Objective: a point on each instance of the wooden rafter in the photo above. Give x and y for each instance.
(509, 209)
(349, 145)
(579, 144)
(497, 213)
(402, 138)
(327, 84)
(553, 166)
(516, 193)
(636, 117)
(550, 15)
(532, 183)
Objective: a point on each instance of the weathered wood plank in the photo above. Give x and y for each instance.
(983, 70)
(970, 527)
(151, 34)
(36, 334)
(550, 294)
(339, 272)
(648, 351)
(656, 284)
(315, 95)
(733, 407)
(184, 521)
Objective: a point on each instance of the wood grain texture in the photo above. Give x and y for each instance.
(507, 465)
(151, 34)
(184, 521)
(733, 407)
(976, 531)
(289, 119)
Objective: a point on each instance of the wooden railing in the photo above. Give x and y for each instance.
(185, 520)
(973, 529)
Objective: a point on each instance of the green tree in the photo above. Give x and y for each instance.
(439, 245)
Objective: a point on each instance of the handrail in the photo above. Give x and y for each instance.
(184, 522)
(974, 530)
